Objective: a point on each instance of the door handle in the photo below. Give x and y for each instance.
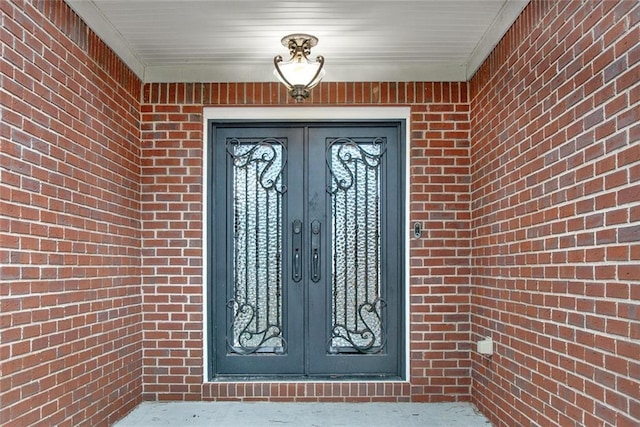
(296, 245)
(315, 251)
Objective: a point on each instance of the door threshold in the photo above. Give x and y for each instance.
(308, 379)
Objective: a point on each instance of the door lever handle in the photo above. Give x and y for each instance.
(315, 251)
(296, 245)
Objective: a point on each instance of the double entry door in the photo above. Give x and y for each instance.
(306, 249)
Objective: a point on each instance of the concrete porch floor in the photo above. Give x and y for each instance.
(236, 414)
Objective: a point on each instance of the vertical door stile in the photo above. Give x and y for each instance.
(352, 339)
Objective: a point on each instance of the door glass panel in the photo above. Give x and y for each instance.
(258, 188)
(355, 188)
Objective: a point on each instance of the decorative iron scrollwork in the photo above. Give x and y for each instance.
(351, 152)
(249, 341)
(371, 338)
(258, 185)
(355, 167)
(264, 155)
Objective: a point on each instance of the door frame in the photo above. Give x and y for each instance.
(308, 114)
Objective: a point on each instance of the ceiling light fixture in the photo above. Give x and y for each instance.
(299, 74)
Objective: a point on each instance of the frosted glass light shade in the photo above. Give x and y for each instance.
(299, 72)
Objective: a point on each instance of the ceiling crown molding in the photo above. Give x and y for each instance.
(504, 20)
(91, 15)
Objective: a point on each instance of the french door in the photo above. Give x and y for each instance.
(306, 249)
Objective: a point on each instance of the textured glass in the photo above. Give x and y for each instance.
(355, 187)
(257, 168)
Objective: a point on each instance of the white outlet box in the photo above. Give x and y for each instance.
(485, 346)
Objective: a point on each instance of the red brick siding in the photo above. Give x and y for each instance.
(70, 300)
(556, 219)
(547, 196)
(172, 243)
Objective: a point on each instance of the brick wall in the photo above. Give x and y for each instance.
(100, 225)
(70, 313)
(172, 279)
(556, 217)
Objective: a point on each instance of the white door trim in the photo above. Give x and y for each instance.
(309, 114)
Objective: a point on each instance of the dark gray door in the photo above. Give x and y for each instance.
(306, 246)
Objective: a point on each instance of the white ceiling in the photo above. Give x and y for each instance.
(361, 40)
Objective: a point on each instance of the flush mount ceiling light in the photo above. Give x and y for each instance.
(299, 74)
